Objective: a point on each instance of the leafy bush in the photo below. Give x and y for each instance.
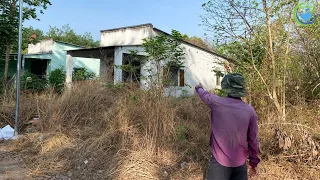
(57, 79)
(221, 93)
(30, 81)
(82, 74)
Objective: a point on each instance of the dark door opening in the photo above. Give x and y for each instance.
(39, 67)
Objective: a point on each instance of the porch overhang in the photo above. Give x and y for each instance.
(38, 56)
(96, 53)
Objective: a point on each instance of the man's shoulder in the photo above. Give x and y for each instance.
(251, 109)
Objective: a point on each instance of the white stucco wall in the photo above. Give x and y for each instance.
(42, 47)
(198, 69)
(127, 36)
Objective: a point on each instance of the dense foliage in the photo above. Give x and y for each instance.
(279, 58)
(31, 82)
(57, 79)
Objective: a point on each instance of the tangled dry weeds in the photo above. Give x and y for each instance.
(95, 132)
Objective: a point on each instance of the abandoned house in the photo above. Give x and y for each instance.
(200, 65)
(116, 47)
(48, 55)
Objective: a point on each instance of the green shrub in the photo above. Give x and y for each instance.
(82, 74)
(57, 79)
(221, 93)
(30, 81)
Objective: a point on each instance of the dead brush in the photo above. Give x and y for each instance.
(7, 103)
(133, 131)
(82, 107)
(94, 132)
(46, 154)
(292, 144)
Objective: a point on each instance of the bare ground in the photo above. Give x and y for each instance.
(12, 166)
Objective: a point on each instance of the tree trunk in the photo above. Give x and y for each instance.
(284, 76)
(273, 61)
(6, 66)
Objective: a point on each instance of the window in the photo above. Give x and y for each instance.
(219, 74)
(173, 76)
(131, 67)
(181, 77)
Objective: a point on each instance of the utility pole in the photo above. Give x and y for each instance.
(16, 125)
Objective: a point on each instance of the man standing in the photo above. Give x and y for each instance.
(234, 131)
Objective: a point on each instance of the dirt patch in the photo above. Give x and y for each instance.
(12, 166)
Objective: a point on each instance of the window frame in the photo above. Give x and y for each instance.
(180, 77)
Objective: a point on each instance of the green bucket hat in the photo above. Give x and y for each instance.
(234, 85)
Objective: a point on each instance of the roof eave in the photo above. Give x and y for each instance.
(126, 27)
(204, 49)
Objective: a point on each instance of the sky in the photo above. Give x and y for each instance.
(95, 15)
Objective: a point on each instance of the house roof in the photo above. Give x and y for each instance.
(50, 52)
(199, 47)
(163, 32)
(92, 52)
(69, 44)
(10, 56)
(62, 42)
(95, 48)
(129, 27)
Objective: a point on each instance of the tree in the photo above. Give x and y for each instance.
(9, 22)
(8, 29)
(164, 52)
(197, 41)
(29, 35)
(66, 34)
(259, 34)
(306, 61)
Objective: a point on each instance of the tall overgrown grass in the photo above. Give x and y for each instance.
(98, 132)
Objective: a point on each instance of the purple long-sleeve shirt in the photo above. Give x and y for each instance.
(234, 130)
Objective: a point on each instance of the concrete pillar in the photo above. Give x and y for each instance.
(23, 63)
(117, 61)
(69, 71)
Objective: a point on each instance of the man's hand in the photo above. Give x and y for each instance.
(252, 172)
(198, 86)
(228, 67)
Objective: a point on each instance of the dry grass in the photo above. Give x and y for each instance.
(95, 132)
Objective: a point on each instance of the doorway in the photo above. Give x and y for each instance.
(39, 67)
